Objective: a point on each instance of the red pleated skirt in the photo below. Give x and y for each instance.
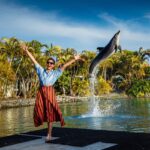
(46, 108)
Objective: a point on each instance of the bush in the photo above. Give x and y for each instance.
(80, 87)
(139, 88)
(102, 87)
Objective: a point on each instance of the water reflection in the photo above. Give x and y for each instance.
(118, 115)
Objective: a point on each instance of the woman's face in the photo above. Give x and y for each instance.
(50, 64)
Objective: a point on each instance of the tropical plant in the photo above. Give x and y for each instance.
(139, 88)
(80, 87)
(126, 71)
(102, 86)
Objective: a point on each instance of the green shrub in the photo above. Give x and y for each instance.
(139, 88)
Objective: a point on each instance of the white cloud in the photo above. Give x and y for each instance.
(16, 21)
(147, 16)
(130, 30)
(29, 23)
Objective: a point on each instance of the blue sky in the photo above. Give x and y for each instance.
(79, 24)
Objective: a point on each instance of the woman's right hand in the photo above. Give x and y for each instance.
(24, 47)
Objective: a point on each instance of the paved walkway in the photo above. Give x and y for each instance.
(41, 145)
(77, 139)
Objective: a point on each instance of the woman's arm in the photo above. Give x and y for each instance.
(25, 48)
(77, 57)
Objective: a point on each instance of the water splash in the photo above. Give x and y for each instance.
(94, 104)
(95, 109)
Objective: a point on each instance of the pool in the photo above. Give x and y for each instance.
(117, 115)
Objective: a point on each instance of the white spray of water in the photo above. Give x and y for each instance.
(97, 110)
(94, 110)
(94, 104)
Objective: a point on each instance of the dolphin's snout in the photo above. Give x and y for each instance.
(117, 36)
(118, 32)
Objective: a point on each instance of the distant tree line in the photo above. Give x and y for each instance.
(124, 72)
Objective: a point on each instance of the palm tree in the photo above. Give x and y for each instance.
(106, 64)
(142, 53)
(26, 74)
(9, 49)
(53, 51)
(66, 56)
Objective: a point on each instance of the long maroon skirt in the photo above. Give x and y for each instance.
(46, 108)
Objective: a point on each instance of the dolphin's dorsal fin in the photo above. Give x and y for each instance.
(118, 48)
(100, 49)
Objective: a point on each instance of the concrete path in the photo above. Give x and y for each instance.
(77, 139)
(41, 145)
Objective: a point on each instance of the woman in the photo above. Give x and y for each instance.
(46, 107)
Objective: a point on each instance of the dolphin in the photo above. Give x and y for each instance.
(105, 52)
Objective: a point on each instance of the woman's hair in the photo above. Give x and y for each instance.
(51, 59)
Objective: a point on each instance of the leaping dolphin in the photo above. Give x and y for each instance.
(105, 52)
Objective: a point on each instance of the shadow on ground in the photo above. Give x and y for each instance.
(85, 137)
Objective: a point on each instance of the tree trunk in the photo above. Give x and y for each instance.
(71, 92)
(64, 90)
(24, 92)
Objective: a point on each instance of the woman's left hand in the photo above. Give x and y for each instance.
(77, 57)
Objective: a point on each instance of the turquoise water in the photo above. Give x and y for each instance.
(117, 115)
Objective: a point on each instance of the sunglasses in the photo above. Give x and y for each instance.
(51, 63)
